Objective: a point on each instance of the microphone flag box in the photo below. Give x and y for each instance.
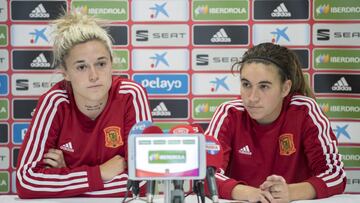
(166, 157)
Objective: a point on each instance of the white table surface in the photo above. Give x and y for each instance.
(345, 198)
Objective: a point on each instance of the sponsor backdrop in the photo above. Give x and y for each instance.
(181, 51)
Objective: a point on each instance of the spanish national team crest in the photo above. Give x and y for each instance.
(113, 137)
(286, 144)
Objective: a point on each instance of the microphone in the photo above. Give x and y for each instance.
(150, 187)
(137, 128)
(214, 158)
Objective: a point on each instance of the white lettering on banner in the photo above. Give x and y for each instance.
(163, 84)
(345, 9)
(107, 11)
(351, 157)
(227, 10)
(345, 59)
(345, 108)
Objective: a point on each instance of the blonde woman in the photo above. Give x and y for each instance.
(76, 144)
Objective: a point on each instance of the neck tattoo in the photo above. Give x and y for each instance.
(94, 107)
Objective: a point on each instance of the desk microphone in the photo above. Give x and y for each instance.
(214, 158)
(137, 128)
(150, 187)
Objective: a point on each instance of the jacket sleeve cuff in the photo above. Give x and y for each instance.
(319, 187)
(226, 188)
(95, 180)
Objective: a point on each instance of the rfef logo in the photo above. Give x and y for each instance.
(221, 35)
(165, 84)
(111, 10)
(226, 10)
(336, 59)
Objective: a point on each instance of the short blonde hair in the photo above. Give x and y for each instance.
(75, 28)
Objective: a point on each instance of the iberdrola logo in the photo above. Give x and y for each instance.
(323, 9)
(202, 10)
(202, 108)
(82, 9)
(323, 58)
(324, 107)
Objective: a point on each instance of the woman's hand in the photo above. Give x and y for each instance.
(112, 167)
(54, 158)
(277, 187)
(251, 194)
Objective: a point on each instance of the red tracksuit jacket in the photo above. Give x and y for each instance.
(299, 145)
(86, 144)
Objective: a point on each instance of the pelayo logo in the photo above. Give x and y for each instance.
(164, 83)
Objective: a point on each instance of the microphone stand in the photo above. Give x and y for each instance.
(198, 188)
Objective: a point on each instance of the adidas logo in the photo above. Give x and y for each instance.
(161, 110)
(341, 85)
(245, 150)
(40, 61)
(67, 147)
(39, 12)
(281, 11)
(221, 36)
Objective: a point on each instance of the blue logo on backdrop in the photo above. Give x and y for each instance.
(19, 131)
(280, 33)
(164, 84)
(39, 34)
(4, 85)
(159, 9)
(159, 58)
(342, 131)
(220, 83)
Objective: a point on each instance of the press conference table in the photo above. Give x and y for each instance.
(345, 198)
